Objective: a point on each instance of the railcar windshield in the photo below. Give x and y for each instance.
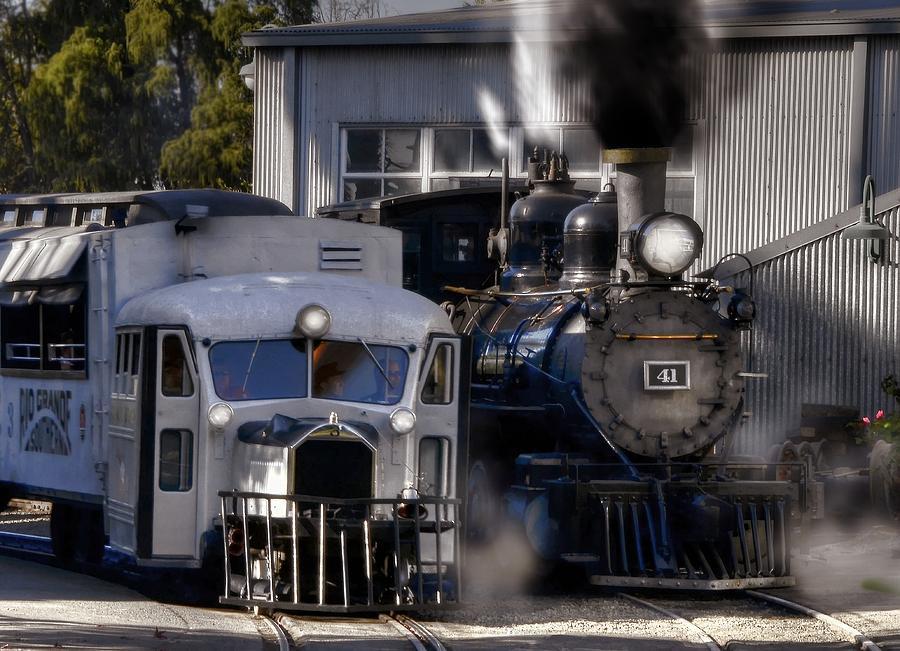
(359, 372)
(261, 369)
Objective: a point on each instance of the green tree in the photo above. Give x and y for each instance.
(216, 151)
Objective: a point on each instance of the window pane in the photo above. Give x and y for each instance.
(432, 458)
(544, 139)
(412, 252)
(258, 370)
(484, 157)
(36, 217)
(582, 149)
(94, 216)
(176, 378)
(680, 196)
(176, 451)
(363, 150)
(438, 382)
(591, 185)
(20, 328)
(451, 150)
(361, 189)
(64, 340)
(346, 371)
(9, 217)
(401, 150)
(458, 242)
(393, 187)
(444, 184)
(683, 151)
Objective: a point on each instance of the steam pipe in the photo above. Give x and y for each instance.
(504, 194)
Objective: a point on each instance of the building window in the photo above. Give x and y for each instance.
(381, 162)
(388, 161)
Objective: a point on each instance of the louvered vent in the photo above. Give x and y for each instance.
(340, 255)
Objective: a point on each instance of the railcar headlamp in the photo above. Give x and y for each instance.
(665, 244)
(402, 420)
(220, 414)
(313, 321)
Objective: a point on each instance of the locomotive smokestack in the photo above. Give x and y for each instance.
(641, 189)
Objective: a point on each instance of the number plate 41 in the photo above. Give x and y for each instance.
(667, 376)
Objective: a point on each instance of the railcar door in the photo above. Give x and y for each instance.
(170, 449)
(442, 413)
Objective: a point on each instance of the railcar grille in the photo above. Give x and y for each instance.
(334, 468)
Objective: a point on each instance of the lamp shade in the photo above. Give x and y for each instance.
(865, 230)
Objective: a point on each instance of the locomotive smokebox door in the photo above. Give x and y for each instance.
(660, 375)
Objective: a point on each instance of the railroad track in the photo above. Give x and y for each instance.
(393, 631)
(846, 633)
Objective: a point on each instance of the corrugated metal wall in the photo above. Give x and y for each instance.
(776, 117)
(884, 122)
(415, 85)
(777, 114)
(827, 333)
(268, 123)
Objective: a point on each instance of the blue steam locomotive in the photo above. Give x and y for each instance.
(604, 388)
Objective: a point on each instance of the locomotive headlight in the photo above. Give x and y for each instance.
(219, 415)
(666, 244)
(403, 420)
(313, 321)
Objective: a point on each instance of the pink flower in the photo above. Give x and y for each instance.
(866, 420)
(879, 414)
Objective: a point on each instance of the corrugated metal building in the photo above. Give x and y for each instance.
(790, 107)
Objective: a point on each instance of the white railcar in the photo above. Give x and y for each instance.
(249, 393)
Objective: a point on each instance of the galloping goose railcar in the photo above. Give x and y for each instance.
(253, 392)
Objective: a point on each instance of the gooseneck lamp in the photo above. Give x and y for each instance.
(868, 228)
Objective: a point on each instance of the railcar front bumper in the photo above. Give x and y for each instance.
(296, 552)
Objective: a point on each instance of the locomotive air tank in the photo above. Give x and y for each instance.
(603, 381)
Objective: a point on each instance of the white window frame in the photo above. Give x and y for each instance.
(516, 134)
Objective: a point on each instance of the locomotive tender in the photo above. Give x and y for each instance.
(604, 387)
(217, 383)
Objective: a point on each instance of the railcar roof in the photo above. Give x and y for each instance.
(172, 203)
(265, 305)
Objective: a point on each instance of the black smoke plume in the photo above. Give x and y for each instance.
(634, 56)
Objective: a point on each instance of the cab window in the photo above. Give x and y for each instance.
(176, 378)
(259, 369)
(359, 372)
(438, 386)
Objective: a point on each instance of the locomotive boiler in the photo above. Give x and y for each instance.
(605, 386)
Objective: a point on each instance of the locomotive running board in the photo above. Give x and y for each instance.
(693, 584)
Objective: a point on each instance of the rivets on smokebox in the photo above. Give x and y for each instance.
(688, 432)
(704, 420)
(641, 433)
(597, 375)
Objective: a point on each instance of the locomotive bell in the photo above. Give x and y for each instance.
(590, 236)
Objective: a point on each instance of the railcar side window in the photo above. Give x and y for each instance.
(259, 369)
(438, 388)
(128, 349)
(176, 378)
(433, 465)
(20, 328)
(344, 370)
(9, 217)
(176, 460)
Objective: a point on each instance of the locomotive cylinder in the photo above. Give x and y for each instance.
(641, 185)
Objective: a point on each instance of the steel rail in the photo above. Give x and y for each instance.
(418, 635)
(277, 629)
(704, 637)
(861, 640)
